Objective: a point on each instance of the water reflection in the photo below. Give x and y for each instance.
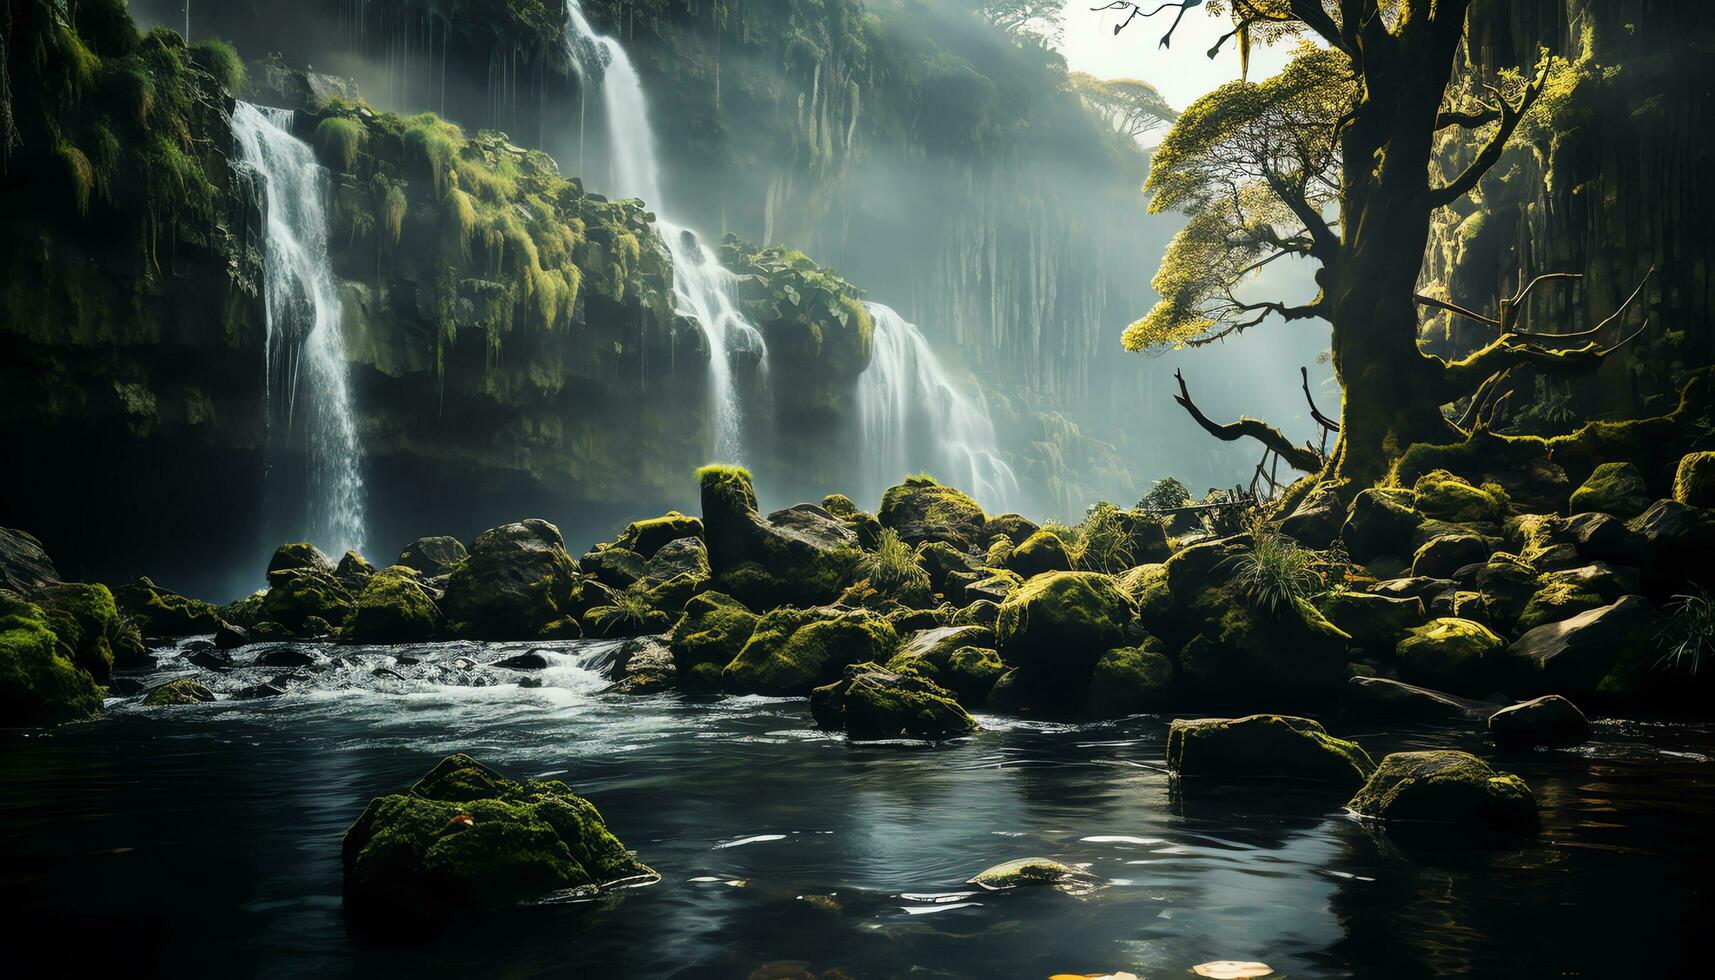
(205, 838)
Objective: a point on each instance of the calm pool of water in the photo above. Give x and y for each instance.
(205, 840)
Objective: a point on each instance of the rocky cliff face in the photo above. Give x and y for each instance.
(512, 340)
(1604, 181)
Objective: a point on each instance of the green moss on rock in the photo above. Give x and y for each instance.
(872, 702)
(1264, 746)
(517, 580)
(1451, 654)
(792, 651)
(393, 608)
(159, 612)
(646, 537)
(181, 691)
(39, 684)
(1443, 495)
(1613, 488)
(922, 509)
(465, 839)
(1446, 790)
(1694, 480)
(1129, 680)
(1062, 621)
(1042, 552)
(302, 598)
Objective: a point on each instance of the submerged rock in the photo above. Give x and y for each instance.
(1032, 872)
(1264, 746)
(518, 583)
(1446, 790)
(645, 666)
(1549, 720)
(872, 702)
(466, 838)
(182, 691)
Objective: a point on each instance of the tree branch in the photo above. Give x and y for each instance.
(1325, 244)
(1467, 118)
(1316, 413)
(1454, 309)
(1490, 154)
(1301, 458)
(1510, 350)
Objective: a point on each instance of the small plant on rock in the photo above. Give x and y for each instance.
(1275, 571)
(1103, 543)
(892, 567)
(1689, 633)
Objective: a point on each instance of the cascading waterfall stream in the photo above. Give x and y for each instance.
(916, 417)
(305, 357)
(701, 285)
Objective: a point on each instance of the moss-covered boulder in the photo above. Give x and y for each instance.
(1559, 599)
(872, 702)
(1444, 554)
(353, 571)
(1041, 552)
(466, 838)
(1452, 654)
(792, 651)
(1446, 791)
(1380, 522)
(302, 599)
(300, 554)
(1694, 480)
(39, 683)
(646, 537)
(181, 691)
(1131, 680)
(1506, 583)
(1014, 527)
(434, 556)
(1248, 657)
(1613, 488)
(90, 631)
(680, 558)
(393, 608)
(922, 509)
(645, 667)
(1374, 621)
(1674, 543)
(159, 612)
(1549, 720)
(1061, 622)
(1574, 656)
(516, 583)
(1448, 497)
(959, 657)
(800, 555)
(614, 567)
(1265, 746)
(710, 633)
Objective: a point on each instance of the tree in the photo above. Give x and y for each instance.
(1331, 162)
(1040, 20)
(1129, 105)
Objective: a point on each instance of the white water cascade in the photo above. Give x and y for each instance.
(702, 286)
(916, 417)
(305, 363)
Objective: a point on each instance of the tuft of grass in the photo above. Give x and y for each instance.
(339, 139)
(1275, 571)
(892, 567)
(1103, 543)
(1688, 633)
(632, 605)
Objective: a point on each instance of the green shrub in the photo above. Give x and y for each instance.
(892, 567)
(339, 139)
(1689, 633)
(221, 60)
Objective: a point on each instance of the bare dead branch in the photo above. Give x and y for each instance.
(1316, 413)
(1509, 350)
(1491, 153)
(1598, 328)
(1302, 458)
(1455, 309)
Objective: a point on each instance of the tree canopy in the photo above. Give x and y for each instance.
(1130, 105)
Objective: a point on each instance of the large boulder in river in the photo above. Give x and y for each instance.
(921, 509)
(712, 631)
(300, 554)
(1250, 657)
(800, 555)
(1130, 680)
(1572, 657)
(872, 702)
(1061, 622)
(433, 557)
(1264, 746)
(1446, 791)
(1613, 488)
(1039, 553)
(792, 651)
(39, 683)
(1381, 521)
(89, 628)
(303, 599)
(466, 838)
(646, 537)
(393, 608)
(517, 584)
(158, 612)
(24, 565)
(1549, 720)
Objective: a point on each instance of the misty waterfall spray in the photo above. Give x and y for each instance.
(701, 285)
(915, 417)
(305, 358)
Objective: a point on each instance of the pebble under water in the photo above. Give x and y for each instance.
(205, 839)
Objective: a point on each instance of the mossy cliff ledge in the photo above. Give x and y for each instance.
(511, 339)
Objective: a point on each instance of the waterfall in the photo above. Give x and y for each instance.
(305, 359)
(915, 417)
(701, 285)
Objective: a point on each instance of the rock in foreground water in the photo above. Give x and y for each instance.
(872, 702)
(1446, 790)
(466, 838)
(1274, 746)
(1550, 720)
